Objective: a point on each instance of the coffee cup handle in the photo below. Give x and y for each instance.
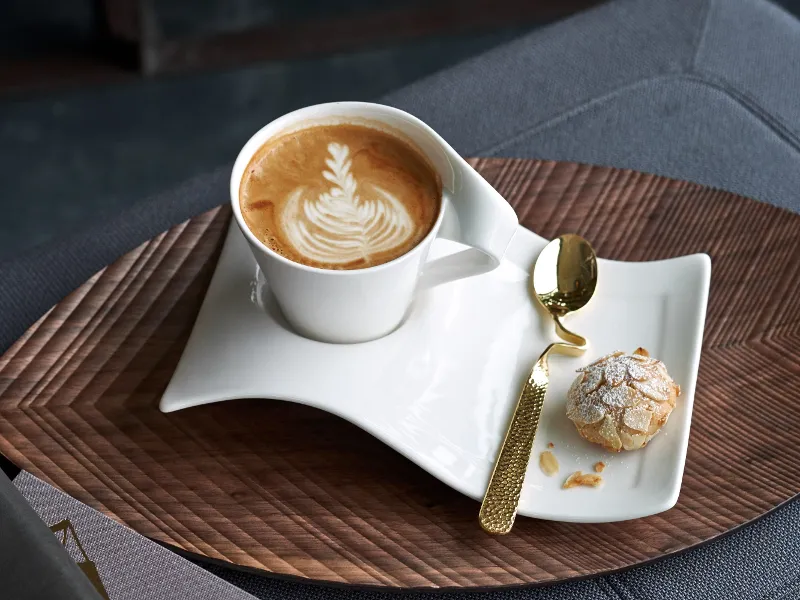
(475, 215)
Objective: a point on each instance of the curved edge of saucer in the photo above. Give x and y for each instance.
(169, 404)
(703, 264)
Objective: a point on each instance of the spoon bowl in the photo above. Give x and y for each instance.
(564, 279)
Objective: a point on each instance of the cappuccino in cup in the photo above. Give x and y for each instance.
(340, 196)
(341, 205)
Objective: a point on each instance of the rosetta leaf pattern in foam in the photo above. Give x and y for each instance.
(341, 225)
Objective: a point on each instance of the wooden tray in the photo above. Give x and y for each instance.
(294, 491)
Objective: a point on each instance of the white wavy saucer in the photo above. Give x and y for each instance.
(440, 389)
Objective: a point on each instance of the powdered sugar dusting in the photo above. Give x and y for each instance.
(616, 398)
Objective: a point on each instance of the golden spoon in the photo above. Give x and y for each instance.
(564, 280)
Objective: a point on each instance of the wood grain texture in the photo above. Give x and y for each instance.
(236, 482)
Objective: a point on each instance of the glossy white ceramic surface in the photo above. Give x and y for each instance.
(364, 304)
(440, 388)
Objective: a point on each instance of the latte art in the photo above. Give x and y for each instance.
(340, 196)
(340, 226)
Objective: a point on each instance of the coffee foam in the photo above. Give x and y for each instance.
(339, 196)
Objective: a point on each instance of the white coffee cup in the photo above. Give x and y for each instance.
(347, 306)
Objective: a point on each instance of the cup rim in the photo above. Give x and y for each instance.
(293, 116)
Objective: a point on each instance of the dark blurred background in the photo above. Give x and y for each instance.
(103, 102)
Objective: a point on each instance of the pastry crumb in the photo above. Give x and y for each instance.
(582, 479)
(641, 352)
(548, 463)
(599, 467)
(551, 445)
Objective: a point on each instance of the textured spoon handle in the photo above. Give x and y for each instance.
(499, 506)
